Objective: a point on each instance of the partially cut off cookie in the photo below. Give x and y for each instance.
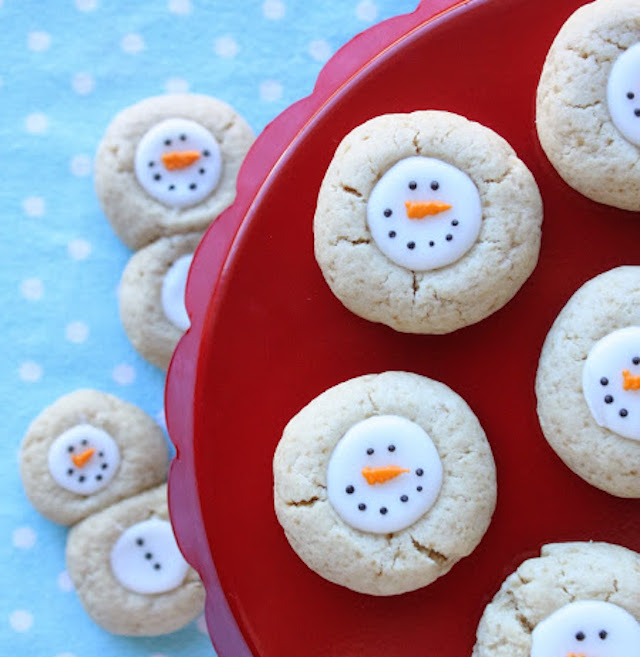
(87, 451)
(384, 482)
(426, 222)
(168, 165)
(128, 571)
(151, 296)
(588, 382)
(574, 599)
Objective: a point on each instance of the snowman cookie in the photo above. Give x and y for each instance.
(426, 222)
(588, 383)
(168, 165)
(87, 451)
(128, 571)
(574, 599)
(384, 482)
(588, 102)
(151, 296)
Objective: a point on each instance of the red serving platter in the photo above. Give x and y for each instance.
(268, 336)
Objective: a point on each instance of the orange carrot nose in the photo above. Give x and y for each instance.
(179, 159)
(380, 475)
(80, 460)
(629, 381)
(422, 209)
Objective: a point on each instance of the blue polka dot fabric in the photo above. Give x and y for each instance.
(67, 67)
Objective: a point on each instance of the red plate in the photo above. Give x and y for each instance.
(268, 336)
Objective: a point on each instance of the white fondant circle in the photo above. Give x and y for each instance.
(146, 558)
(185, 186)
(623, 94)
(587, 627)
(381, 441)
(611, 405)
(436, 240)
(174, 284)
(96, 472)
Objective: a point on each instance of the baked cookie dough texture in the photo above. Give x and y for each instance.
(579, 598)
(589, 409)
(95, 460)
(384, 482)
(588, 102)
(157, 159)
(426, 222)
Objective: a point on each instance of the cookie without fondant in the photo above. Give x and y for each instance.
(575, 598)
(378, 489)
(168, 165)
(151, 296)
(128, 571)
(426, 222)
(87, 451)
(588, 102)
(586, 414)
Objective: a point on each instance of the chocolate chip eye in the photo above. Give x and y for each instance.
(413, 184)
(206, 153)
(624, 412)
(70, 448)
(580, 636)
(636, 112)
(183, 137)
(449, 237)
(388, 212)
(455, 222)
(603, 634)
(392, 448)
(608, 399)
(151, 164)
(411, 246)
(383, 510)
(636, 360)
(404, 498)
(157, 566)
(419, 472)
(435, 185)
(349, 490)
(370, 451)
(631, 95)
(362, 506)
(192, 186)
(392, 234)
(604, 381)
(148, 555)
(167, 142)
(139, 541)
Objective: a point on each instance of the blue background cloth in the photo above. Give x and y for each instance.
(67, 67)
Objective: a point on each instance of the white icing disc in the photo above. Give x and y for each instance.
(178, 162)
(424, 214)
(384, 474)
(591, 628)
(146, 558)
(83, 459)
(623, 94)
(611, 382)
(173, 289)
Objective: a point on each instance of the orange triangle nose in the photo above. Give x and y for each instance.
(380, 475)
(422, 209)
(179, 159)
(80, 460)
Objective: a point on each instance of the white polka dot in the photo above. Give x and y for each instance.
(83, 83)
(320, 50)
(132, 44)
(76, 332)
(176, 86)
(32, 289)
(367, 11)
(86, 5)
(24, 538)
(79, 249)
(36, 123)
(34, 206)
(201, 624)
(273, 9)
(81, 165)
(226, 46)
(21, 620)
(64, 582)
(181, 7)
(124, 374)
(270, 90)
(30, 372)
(38, 41)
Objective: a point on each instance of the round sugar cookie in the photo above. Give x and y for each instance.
(384, 482)
(426, 222)
(87, 451)
(151, 296)
(575, 598)
(588, 382)
(588, 102)
(128, 571)
(168, 165)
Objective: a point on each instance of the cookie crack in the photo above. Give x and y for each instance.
(355, 242)
(431, 553)
(351, 190)
(310, 502)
